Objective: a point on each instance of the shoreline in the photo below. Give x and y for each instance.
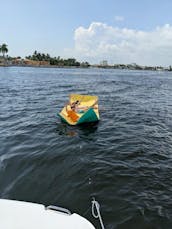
(92, 66)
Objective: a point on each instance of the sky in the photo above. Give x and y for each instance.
(119, 31)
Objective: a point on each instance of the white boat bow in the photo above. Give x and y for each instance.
(25, 215)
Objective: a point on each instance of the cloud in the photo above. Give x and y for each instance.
(122, 45)
(119, 18)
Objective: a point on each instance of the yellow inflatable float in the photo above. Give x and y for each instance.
(80, 109)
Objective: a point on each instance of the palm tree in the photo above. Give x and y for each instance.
(3, 49)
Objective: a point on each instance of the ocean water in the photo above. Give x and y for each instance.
(124, 160)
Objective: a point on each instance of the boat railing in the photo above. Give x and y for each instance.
(59, 209)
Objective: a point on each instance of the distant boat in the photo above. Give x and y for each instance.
(24, 215)
(80, 109)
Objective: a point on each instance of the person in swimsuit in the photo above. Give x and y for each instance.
(74, 105)
(78, 109)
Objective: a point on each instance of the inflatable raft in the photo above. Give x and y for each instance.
(23, 215)
(80, 109)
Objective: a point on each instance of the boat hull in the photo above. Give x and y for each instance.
(23, 215)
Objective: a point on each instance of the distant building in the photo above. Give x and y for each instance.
(134, 64)
(104, 63)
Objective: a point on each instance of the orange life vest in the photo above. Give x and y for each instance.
(71, 114)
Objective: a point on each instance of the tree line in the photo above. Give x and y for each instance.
(37, 56)
(58, 61)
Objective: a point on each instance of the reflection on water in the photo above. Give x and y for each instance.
(64, 129)
(85, 129)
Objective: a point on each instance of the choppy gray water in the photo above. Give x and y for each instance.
(127, 155)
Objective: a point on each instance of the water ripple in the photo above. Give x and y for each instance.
(126, 156)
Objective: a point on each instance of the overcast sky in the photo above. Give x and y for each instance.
(125, 31)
